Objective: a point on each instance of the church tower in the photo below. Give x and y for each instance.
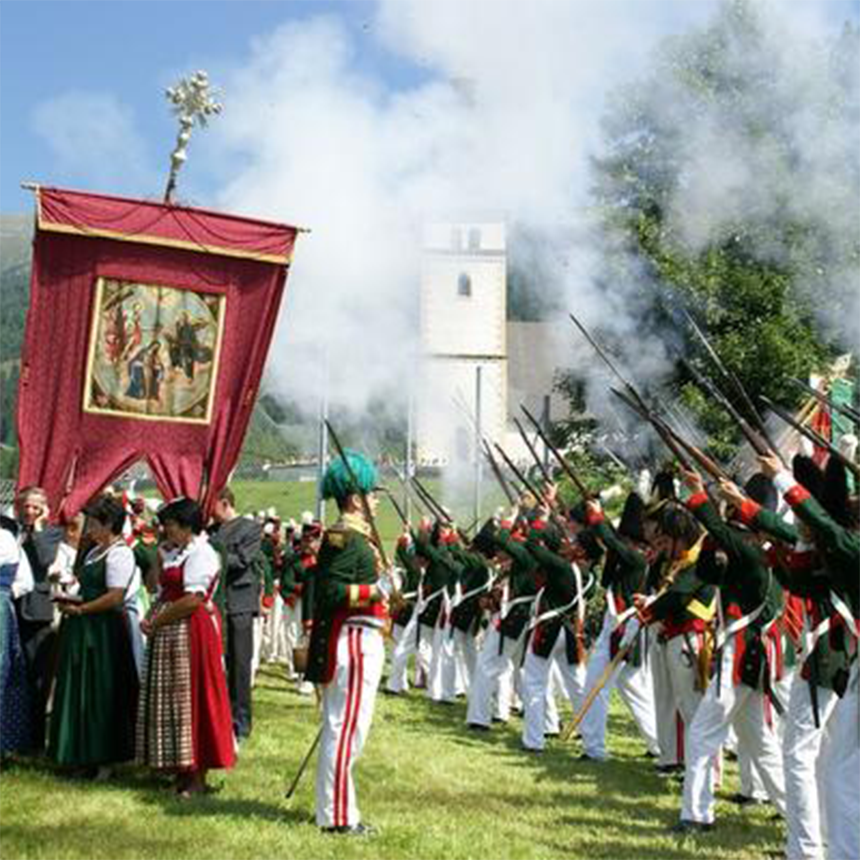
(463, 315)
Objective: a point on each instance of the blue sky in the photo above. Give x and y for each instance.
(114, 59)
(134, 49)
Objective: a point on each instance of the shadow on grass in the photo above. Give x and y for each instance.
(625, 797)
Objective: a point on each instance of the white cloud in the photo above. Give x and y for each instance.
(312, 140)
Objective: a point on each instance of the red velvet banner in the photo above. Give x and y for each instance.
(147, 333)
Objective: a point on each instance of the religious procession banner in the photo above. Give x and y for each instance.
(147, 333)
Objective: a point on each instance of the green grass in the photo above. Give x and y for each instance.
(434, 789)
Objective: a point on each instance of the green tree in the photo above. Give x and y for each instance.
(751, 274)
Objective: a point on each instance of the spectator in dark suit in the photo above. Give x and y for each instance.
(239, 540)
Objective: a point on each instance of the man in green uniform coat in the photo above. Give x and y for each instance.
(346, 649)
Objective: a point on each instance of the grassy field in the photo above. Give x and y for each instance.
(434, 790)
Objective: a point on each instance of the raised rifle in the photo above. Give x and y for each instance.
(565, 466)
(733, 381)
(494, 466)
(759, 444)
(812, 435)
(365, 506)
(824, 400)
(438, 510)
(518, 474)
(546, 475)
(677, 444)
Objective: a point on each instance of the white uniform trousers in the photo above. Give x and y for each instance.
(540, 714)
(258, 647)
(457, 672)
(441, 686)
(842, 775)
(750, 779)
(270, 620)
(492, 680)
(635, 687)
(804, 752)
(405, 640)
(743, 708)
(681, 654)
(347, 711)
(669, 722)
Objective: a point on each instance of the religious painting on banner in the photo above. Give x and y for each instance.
(153, 351)
(147, 333)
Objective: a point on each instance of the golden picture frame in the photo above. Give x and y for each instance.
(154, 351)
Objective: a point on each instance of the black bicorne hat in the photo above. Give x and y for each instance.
(807, 473)
(484, 541)
(834, 497)
(631, 518)
(760, 489)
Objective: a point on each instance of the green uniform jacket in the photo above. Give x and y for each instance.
(522, 582)
(559, 591)
(408, 561)
(346, 568)
(625, 571)
(442, 571)
(475, 573)
(838, 559)
(745, 583)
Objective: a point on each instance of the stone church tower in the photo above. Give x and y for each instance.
(463, 316)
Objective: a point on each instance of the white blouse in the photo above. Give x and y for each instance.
(122, 570)
(201, 564)
(11, 553)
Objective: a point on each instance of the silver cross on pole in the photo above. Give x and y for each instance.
(192, 102)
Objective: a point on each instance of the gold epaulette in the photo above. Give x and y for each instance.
(337, 536)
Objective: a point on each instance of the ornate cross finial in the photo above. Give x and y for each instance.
(192, 102)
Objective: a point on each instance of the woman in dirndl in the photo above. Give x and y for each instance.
(184, 720)
(95, 697)
(16, 578)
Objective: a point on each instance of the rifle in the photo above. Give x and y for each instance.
(546, 476)
(409, 489)
(368, 514)
(758, 442)
(606, 360)
(809, 433)
(733, 380)
(509, 493)
(669, 439)
(583, 491)
(433, 507)
(396, 505)
(847, 411)
(519, 475)
(675, 442)
(439, 511)
(634, 400)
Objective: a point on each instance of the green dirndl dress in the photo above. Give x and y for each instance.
(95, 697)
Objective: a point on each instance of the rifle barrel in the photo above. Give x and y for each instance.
(532, 451)
(822, 398)
(361, 494)
(557, 454)
(812, 435)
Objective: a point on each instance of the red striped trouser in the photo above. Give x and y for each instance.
(347, 711)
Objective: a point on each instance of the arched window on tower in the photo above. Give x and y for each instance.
(474, 239)
(464, 285)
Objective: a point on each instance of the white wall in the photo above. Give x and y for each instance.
(460, 332)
